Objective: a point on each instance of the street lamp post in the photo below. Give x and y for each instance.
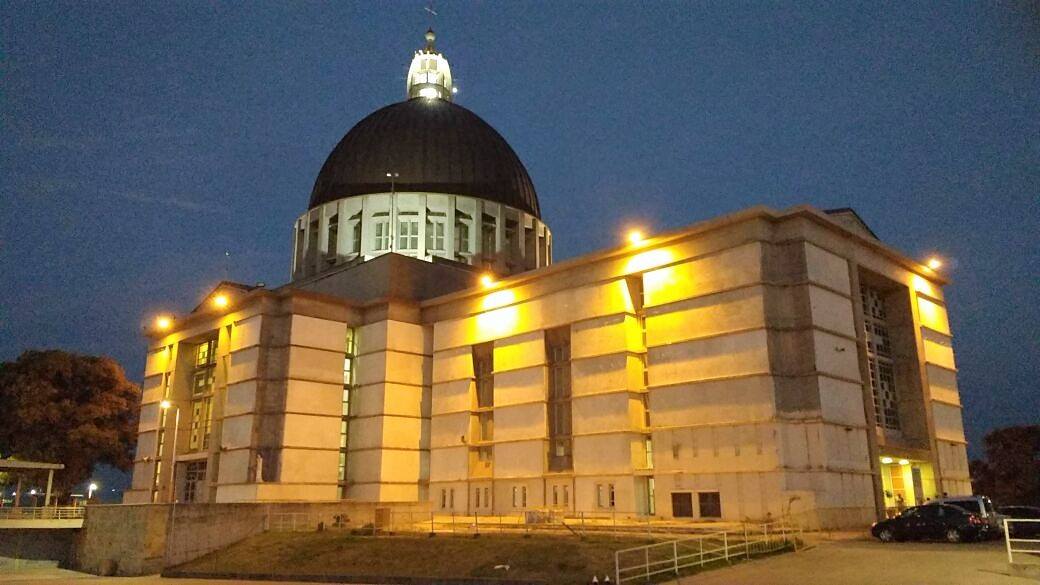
(90, 491)
(166, 405)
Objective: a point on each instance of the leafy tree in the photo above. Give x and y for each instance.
(67, 408)
(1010, 474)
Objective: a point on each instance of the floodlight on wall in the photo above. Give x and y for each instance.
(487, 280)
(934, 263)
(886, 460)
(162, 322)
(220, 301)
(904, 462)
(635, 237)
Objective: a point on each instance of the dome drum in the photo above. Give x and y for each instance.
(460, 228)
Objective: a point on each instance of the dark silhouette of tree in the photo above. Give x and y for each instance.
(1010, 474)
(67, 408)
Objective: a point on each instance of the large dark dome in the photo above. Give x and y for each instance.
(433, 145)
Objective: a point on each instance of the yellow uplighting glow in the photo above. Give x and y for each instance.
(934, 263)
(498, 299)
(635, 237)
(163, 322)
(499, 319)
(165, 404)
(487, 281)
(904, 462)
(220, 301)
(886, 460)
(647, 260)
(922, 285)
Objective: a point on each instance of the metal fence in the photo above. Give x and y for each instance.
(43, 513)
(643, 562)
(1027, 549)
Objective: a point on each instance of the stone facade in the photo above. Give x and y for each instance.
(720, 371)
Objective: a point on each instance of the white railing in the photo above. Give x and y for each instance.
(43, 513)
(643, 562)
(1030, 547)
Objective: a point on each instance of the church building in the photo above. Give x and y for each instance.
(428, 349)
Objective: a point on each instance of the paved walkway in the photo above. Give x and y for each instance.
(844, 561)
(60, 577)
(868, 562)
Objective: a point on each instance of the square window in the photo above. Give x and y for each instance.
(682, 505)
(710, 504)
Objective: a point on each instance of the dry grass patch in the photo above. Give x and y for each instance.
(552, 559)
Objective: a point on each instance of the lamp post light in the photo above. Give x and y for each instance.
(90, 491)
(167, 405)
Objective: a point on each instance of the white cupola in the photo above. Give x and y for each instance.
(429, 75)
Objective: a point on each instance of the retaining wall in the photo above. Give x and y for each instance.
(141, 539)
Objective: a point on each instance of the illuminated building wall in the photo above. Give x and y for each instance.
(719, 371)
(754, 396)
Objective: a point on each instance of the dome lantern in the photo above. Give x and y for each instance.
(429, 75)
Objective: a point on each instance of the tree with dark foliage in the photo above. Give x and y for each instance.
(67, 408)
(1010, 474)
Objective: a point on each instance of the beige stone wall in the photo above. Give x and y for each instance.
(754, 372)
(753, 368)
(389, 432)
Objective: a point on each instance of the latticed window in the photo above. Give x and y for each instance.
(879, 359)
(408, 234)
(435, 235)
(483, 371)
(201, 423)
(484, 375)
(349, 389)
(486, 426)
(194, 480)
(355, 238)
(487, 235)
(462, 237)
(381, 228)
(203, 379)
(558, 352)
(332, 242)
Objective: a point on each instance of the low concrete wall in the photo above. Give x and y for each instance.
(141, 539)
(122, 539)
(33, 547)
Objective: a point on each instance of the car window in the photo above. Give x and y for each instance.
(909, 513)
(967, 505)
(930, 511)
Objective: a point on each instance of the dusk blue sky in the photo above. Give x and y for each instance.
(142, 140)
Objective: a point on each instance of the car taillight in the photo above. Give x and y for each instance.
(973, 519)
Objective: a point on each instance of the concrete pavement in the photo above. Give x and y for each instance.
(846, 561)
(868, 562)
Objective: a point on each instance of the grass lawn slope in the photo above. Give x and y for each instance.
(551, 559)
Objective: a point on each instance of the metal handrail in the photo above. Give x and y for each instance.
(715, 546)
(43, 513)
(1008, 540)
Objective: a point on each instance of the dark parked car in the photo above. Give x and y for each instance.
(930, 522)
(1022, 529)
(980, 506)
